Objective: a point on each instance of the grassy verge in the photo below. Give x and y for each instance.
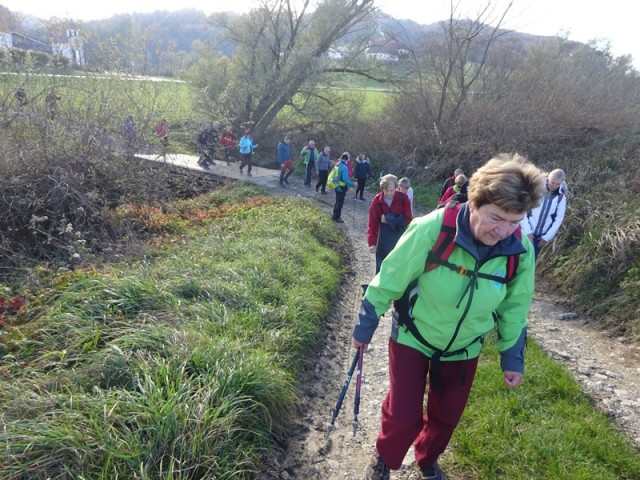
(178, 363)
(547, 428)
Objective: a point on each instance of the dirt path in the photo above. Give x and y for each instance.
(607, 368)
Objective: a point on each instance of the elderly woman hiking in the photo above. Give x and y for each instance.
(476, 265)
(389, 215)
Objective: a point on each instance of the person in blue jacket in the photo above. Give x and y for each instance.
(284, 158)
(246, 148)
(341, 190)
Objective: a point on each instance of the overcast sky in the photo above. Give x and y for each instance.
(581, 20)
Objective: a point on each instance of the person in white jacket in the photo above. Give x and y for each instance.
(543, 222)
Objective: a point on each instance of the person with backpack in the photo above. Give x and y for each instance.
(362, 171)
(309, 154)
(452, 274)
(342, 186)
(543, 222)
(207, 140)
(284, 158)
(458, 192)
(323, 164)
(450, 182)
(389, 215)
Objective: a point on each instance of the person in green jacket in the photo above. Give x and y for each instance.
(454, 308)
(309, 154)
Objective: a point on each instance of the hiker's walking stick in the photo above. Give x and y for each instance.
(356, 402)
(345, 386)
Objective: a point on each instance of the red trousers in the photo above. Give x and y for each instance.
(403, 422)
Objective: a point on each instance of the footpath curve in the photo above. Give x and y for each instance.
(607, 368)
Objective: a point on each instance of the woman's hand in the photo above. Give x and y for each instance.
(372, 249)
(512, 379)
(383, 219)
(357, 344)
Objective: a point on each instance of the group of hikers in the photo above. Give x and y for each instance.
(450, 276)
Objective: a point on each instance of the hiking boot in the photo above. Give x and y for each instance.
(377, 470)
(249, 174)
(432, 472)
(338, 220)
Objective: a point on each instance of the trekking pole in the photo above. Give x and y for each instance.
(356, 402)
(343, 392)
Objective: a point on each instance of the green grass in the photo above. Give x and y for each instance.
(547, 428)
(426, 195)
(180, 363)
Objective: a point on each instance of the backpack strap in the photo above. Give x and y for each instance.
(444, 245)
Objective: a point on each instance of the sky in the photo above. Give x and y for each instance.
(611, 21)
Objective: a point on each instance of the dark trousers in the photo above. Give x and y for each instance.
(337, 207)
(360, 187)
(245, 159)
(322, 180)
(403, 422)
(536, 248)
(308, 172)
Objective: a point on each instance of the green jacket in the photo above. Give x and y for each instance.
(446, 300)
(304, 153)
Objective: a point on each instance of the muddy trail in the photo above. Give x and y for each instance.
(607, 368)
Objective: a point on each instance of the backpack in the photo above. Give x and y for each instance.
(438, 256)
(333, 180)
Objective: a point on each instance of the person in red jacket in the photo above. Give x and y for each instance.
(389, 215)
(228, 141)
(458, 191)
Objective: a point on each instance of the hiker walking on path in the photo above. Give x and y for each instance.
(129, 130)
(404, 185)
(207, 140)
(284, 158)
(362, 171)
(452, 299)
(451, 181)
(344, 182)
(458, 192)
(323, 165)
(309, 154)
(227, 141)
(162, 132)
(246, 148)
(389, 215)
(543, 222)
